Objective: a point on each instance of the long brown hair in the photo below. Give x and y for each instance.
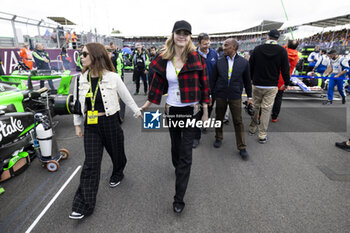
(100, 60)
(169, 50)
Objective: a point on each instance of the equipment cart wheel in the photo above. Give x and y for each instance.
(64, 153)
(52, 166)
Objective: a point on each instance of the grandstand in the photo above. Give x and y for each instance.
(331, 38)
(247, 38)
(253, 36)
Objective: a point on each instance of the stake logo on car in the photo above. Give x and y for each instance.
(8, 129)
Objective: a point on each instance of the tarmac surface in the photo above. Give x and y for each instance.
(297, 182)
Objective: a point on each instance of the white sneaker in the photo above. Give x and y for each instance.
(75, 215)
(114, 184)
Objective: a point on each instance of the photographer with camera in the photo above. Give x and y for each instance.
(230, 74)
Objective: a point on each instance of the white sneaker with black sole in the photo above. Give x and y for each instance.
(263, 140)
(76, 216)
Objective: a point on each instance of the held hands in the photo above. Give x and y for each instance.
(78, 131)
(144, 108)
(146, 105)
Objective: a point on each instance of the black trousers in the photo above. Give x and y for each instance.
(106, 134)
(277, 105)
(181, 149)
(136, 78)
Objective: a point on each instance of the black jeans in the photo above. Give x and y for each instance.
(277, 105)
(181, 148)
(136, 78)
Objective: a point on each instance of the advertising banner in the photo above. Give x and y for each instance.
(11, 56)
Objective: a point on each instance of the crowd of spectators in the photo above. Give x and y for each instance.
(329, 39)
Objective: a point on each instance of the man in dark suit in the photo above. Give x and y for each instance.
(230, 74)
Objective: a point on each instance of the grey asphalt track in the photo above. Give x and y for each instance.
(297, 182)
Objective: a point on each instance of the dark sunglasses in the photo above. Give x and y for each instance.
(202, 36)
(85, 54)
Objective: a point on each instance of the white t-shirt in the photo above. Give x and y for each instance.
(314, 56)
(336, 65)
(324, 60)
(174, 98)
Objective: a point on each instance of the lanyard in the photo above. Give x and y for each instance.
(177, 92)
(229, 73)
(93, 97)
(176, 71)
(230, 70)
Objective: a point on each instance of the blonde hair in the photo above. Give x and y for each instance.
(168, 52)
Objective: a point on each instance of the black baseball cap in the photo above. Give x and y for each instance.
(274, 34)
(182, 25)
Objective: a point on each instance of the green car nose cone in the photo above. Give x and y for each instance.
(15, 159)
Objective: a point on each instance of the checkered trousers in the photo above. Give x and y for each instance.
(106, 134)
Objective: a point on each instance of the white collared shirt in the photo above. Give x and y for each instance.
(203, 54)
(230, 64)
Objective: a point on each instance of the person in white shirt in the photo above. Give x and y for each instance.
(337, 71)
(322, 63)
(313, 57)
